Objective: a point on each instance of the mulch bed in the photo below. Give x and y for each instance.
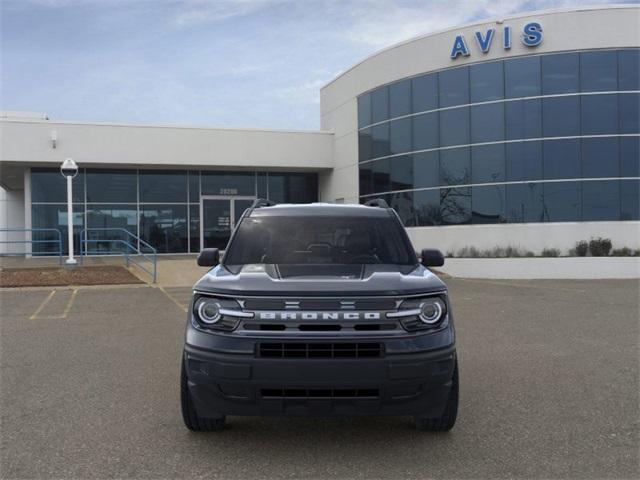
(59, 276)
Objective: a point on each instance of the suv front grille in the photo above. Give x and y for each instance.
(331, 304)
(320, 350)
(320, 393)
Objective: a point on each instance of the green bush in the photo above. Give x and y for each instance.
(550, 252)
(581, 248)
(600, 247)
(625, 252)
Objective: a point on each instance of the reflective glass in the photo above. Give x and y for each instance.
(599, 71)
(112, 186)
(165, 227)
(522, 77)
(488, 204)
(365, 145)
(194, 186)
(630, 156)
(455, 166)
(364, 110)
(400, 135)
(380, 105)
(561, 116)
(487, 164)
(163, 186)
(562, 201)
(630, 199)
(424, 93)
(400, 98)
(455, 205)
(228, 183)
(380, 140)
(560, 73)
(487, 123)
(454, 127)
(600, 157)
(524, 161)
(599, 114)
(402, 203)
(425, 131)
(454, 87)
(402, 172)
(48, 185)
(293, 187)
(601, 200)
(561, 159)
(112, 220)
(262, 185)
(426, 207)
(366, 178)
(194, 228)
(381, 176)
(629, 69)
(53, 216)
(629, 112)
(523, 119)
(426, 168)
(487, 81)
(524, 203)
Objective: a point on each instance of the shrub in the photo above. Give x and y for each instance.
(550, 252)
(625, 252)
(600, 247)
(581, 248)
(450, 254)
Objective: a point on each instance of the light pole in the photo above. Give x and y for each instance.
(69, 170)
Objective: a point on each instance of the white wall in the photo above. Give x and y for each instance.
(11, 216)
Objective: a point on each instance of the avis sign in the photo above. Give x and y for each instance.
(531, 37)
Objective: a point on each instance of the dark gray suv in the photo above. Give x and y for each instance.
(319, 309)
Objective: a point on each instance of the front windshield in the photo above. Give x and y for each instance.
(320, 240)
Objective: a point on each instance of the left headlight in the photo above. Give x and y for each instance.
(218, 313)
(422, 313)
(432, 310)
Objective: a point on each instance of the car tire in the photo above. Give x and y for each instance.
(447, 420)
(191, 419)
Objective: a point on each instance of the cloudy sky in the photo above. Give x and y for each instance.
(247, 63)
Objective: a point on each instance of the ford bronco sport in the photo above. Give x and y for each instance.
(319, 310)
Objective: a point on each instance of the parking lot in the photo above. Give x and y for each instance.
(549, 389)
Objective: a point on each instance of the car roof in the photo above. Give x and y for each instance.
(319, 209)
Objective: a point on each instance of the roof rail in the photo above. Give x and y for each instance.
(261, 202)
(376, 202)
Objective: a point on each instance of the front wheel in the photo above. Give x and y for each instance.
(191, 419)
(447, 420)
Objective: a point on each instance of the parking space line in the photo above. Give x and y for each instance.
(36, 315)
(70, 303)
(42, 305)
(172, 298)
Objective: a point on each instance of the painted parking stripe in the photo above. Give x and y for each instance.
(65, 312)
(173, 299)
(42, 305)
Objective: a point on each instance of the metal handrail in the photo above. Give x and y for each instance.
(151, 257)
(31, 241)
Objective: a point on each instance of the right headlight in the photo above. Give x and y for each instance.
(217, 313)
(432, 310)
(422, 313)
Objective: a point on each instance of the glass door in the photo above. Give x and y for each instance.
(218, 218)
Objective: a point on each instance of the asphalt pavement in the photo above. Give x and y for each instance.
(548, 376)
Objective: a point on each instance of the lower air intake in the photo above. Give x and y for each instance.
(320, 350)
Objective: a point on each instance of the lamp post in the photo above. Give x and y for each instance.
(69, 170)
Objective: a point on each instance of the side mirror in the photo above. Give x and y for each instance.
(209, 257)
(432, 258)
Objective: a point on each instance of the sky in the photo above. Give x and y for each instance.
(219, 63)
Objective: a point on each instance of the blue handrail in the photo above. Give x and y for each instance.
(129, 247)
(31, 241)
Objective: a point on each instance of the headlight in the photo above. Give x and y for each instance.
(431, 311)
(217, 313)
(208, 310)
(422, 313)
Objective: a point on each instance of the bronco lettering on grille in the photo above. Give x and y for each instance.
(319, 315)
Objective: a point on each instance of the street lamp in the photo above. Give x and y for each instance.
(69, 170)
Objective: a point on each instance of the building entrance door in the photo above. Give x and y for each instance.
(218, 218)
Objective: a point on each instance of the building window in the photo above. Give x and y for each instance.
(599, 71)
(560, 73)
(164, 186)
(454, 87)
(228, 183)
(487, 81)
(112, 186)
(562, 201)
(522, 77)
(424, 93)
(165, 227)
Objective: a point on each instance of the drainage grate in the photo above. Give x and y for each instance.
(320, 350)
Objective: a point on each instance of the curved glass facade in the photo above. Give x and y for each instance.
(544, 138)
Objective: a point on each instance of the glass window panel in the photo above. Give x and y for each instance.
(426, 207)
(455, 166)
(599, 71)
(488, 204)
(455, 205)
(522, 77)
(261, 185)
(380, 105)
(400, 135)
(523, 119)
(487, 164)
(194, 228)
(364, 110)
(562, 201)
(560, 73)
(381, 176)
(424, 93)
(293, 187)
(426, 168)
(228, 183)
(425, 131)
(402, 172)
(599, 114)
(163, 186)
(113, 219)
(629, 113)
(112, 186)
(629, 69)
(630, 199)
(365, 145)
(561, 159)
(454, 127)
(524, 161)
(366, 178)
(380, 140)
(630, 156)
(524, 203)
(487, 123)
(48, 185)
(454, 87)
(402, 203)
(561, 116)
(600, 200)
(194, 186)
(600, 157)
(53, 216)
(487, 81)
(165, 227)
(400, 98)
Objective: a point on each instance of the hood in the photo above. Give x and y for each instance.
(320, 280)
